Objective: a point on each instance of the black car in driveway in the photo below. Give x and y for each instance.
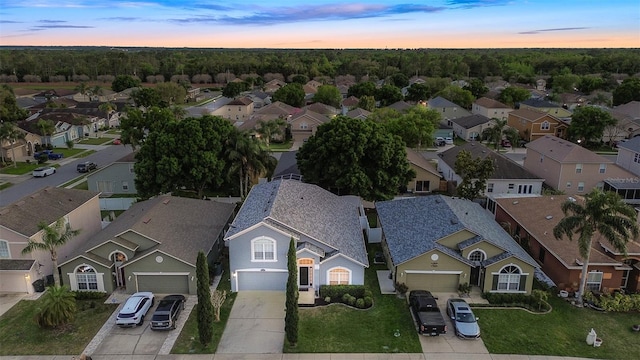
(167, 312)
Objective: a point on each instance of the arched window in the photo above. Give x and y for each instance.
(477, 255)
(545, 125)
(86, 278)
(509, 278)
(339, 276)
(263, 249)
(4, 250)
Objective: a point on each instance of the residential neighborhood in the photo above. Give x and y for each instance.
(329, 196)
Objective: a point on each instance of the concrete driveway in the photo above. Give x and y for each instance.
(255, 325)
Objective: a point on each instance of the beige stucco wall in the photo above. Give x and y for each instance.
(424, 175)
(104, 274)
(495, 268)
(425, 262)
(547, 169)
(490, 249)
(169, 264)
(454, 239)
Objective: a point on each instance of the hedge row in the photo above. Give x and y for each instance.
(336, 292)
(617, 302)
(523, 300)
(90, 295)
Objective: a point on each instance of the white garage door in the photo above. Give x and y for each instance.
(13, 283)
(164, 284)
(262, 280)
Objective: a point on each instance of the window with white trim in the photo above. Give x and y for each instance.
(339, 276)
(477, 255)
(86, 278)
(581, 186)
(578, 168)
(490, 187)
(4, 250)
(304, 126)
(568, 184)
(125, 186)
(509, 278)
(594, 280)
(636, 158)
(263, 249)
(545, 125)
(603, 168)
(422, 185)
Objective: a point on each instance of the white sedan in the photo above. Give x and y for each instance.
(135, 308)
(44, 171)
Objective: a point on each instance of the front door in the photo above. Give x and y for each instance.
(304, 276)
(305, 273)
(475, 275)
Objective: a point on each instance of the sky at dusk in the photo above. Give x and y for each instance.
(322, 23)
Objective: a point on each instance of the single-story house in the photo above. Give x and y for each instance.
(153, 246)
(327, 230)
(470, 127)
(427, 177)
(437, 243)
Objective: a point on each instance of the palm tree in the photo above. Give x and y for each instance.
(83, 89)
(268, 129)
(47, 127)
(4, 136)
(96, 91)
(248, 159)
(58, 306)
(494, 133)
(53, 237)
(604, 215)
(179, 112)
(12, 134)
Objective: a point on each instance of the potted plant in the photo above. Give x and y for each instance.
(401, 288)
(464, 289)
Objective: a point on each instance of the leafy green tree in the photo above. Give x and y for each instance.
(291, 305)
(474, 174)
(476, 87)
(628, 91)
(457, 95)
(171, 93)
(399, 80)
(187, 155)
(53, 237)
(268, 129)
(233, 89)
(147, 98)
(361, 89)
(589, 84)
(47, 127)
(350, 156)
(9, 109)
(602, 215)
(328, 95)
(300, 79)
(11, 133)
(388, 94)
(290, 94)
(513, 95)
(137, 124)
(367, 102)
(57, 307)
(416, 127)
(96, 91)
(124, 82)
(418, 92)
(588, 123)
(204, 309)
(564, 82)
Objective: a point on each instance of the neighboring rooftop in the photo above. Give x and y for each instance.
(485, 102)
(470, 121)
(564, 151)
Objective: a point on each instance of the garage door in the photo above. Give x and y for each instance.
(13, 283)
(433, 282)
(260, 280)
(164, 284)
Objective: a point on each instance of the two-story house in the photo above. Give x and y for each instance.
(569, 167)
(427, 177)
(447, 109)
(546, 107)
(115, 178)
(490, 108)
(470, 127)
(19, 224)
(237, 110)
(508, 178)
(532, 124)
(305, 124)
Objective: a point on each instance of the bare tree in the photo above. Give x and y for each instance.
(217, 299)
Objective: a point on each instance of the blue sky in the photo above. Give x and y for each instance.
(323, 24)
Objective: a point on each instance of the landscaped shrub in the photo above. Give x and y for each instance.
(617, 302)
(352, 300)
(368, 293)
(521, 300)
(368, 301)
(360, 303)
(337, 291)
(345, 298)
(90, 295)
(327, 299)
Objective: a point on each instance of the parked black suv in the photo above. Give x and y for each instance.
(86, 167)
(166, 314)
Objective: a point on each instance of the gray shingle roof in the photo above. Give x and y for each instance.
(505, 167)
(632, 144)
(15, 264)
(182, 226)
(48, 205)
(468, 122)
(304, 209)
(287, 165)
(413, 225)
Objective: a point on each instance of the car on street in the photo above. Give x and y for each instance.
(44, 171)
(448, 141)
(86, 166)
(505, 143)
(166, 314)
(135, 309)
(465, 323)
(439, 141)
(117, 142)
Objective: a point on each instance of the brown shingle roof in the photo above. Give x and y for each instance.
(564, 151)
(420, 161)
(529, 114)
(47, 205)
(491, 104)
(243, 101)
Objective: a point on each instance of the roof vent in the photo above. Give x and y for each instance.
(572, 199)
(146, 221)
(166, 201)
(454, 221)
(515, 202)
(549, 217)
(438, 200)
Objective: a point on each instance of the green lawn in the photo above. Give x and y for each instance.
(113, 131)
(341, 329)
(96, 141)
(188, 342)
(22, 336)
(5, 185)
(22, 168)
(560, 333)
(275, 146)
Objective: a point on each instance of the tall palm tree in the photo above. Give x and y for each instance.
(4, 136)
(47, 127)
(53, 237)
(83, 89)
(179, 112)
(12, 134)
(248, 159)
(268, 129)
(603, 215)
(494, 133)
(96, 91)
(58, 307)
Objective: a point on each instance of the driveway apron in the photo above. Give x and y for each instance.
(255, 325)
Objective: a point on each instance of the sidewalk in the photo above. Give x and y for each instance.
(372, 356)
